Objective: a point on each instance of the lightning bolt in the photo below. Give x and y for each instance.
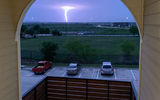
(66, 15)
(66, 10)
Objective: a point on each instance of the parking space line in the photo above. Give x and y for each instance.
(50, 70)
(133, 74)
(98, 74)
(64, 74)
(80, 73)
(115, 74)
(93, 73)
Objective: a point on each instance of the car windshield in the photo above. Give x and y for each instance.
(107, 66)
(41, 64)
(72, 67)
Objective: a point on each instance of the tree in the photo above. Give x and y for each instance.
(134, 30)
(127, 48)
(47, 31)
(30, 31)
(23, 29)
(36, 28)
(48, 50)
(44, 30)
(80, 50)
(56, 33)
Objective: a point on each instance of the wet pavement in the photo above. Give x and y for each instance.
(29, 80)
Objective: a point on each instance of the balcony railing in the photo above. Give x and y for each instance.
(56, 88)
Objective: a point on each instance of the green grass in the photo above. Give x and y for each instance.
(106, 49)
(103, 45)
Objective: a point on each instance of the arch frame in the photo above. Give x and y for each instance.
(136, 11)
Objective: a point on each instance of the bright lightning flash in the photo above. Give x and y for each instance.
(66, 10)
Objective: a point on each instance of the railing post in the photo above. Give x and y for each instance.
(108, 90)
(35, 94)
(46, 88)
(66, 87)
(130, 92)
(86, 89)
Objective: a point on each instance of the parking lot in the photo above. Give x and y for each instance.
(89, 72)
(29, 80)
(94, 73)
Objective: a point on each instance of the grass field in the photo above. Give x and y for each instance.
(107, 48)
(103, 45)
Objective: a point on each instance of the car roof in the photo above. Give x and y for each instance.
(73, 64)
(42, 61)
(107, 63)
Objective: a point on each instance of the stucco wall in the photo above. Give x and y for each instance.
(10, 14)
(136, 8)
(8, 54)
(150, 81)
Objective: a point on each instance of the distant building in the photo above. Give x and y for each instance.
(121, 25)
(41, 35)
(27, 36)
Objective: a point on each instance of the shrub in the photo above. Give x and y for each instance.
(56, 33)
(80, 50)
(134, 30)
(127, 48)
(36, 28)
(49, 50)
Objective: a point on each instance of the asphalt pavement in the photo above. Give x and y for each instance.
(29, 79)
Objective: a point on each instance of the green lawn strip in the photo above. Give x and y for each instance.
(103, 45)
(107, 48)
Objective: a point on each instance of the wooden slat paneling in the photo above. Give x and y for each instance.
(97, 89)
(56, 88)
(119, 90)
(81, 89)
(37, 93)
(30, 96)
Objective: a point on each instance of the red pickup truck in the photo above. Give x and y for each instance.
(42, 67)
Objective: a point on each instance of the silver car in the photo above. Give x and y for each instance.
(73, 68)
(107, 68)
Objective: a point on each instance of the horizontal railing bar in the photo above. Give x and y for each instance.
(49, 97)
(89, 79)
(98, 97)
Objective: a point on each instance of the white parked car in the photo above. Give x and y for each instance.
(73, 68)
(107, 68)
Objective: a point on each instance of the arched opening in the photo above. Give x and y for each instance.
(23, 16)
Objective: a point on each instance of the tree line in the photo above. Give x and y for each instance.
(36, 29)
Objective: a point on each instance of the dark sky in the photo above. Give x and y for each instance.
(84, 11)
